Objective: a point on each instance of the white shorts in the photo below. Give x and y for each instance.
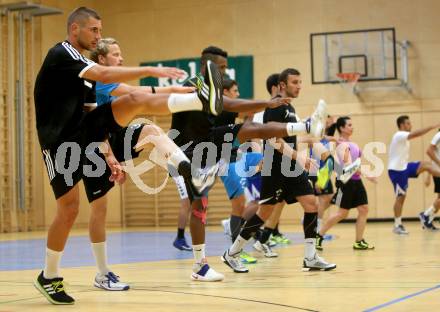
(181, 187)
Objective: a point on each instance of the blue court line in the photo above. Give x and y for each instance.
(386, 304)
(122, 247)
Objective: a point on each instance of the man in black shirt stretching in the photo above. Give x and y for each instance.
(283, 180)
(68, 136)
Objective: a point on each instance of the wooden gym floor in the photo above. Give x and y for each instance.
(402, 274)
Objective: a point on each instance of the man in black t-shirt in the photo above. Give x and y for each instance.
(283, 179)
(197, 129)
(67, 135)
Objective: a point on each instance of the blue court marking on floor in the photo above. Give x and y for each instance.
(126, 247)
(386, 304)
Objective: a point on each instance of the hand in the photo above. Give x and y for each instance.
(307, 163)
(167, 72)
(278, 101)
(117, 173)
(181, 89)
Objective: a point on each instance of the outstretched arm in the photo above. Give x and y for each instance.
(252, 106)
(420, 132)
(111, 74)
(124, 88)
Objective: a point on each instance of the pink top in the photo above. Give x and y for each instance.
(355, 153)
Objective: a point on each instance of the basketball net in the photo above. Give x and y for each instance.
(348, 80)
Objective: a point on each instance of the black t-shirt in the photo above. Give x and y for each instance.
(192, 125)
(283, 113)
(60, 93)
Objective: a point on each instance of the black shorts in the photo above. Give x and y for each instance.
(278, 188)
(436, 184)
(327, 191)
(350, 195)
(77, 157)
(117, 139)
(208, 151)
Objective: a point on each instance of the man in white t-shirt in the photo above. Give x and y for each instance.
(400, 170)
(428, 215)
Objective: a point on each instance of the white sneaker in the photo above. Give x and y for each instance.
(203, 273)
(349, 170)
(110, 281)
(400, 230)
(265, 250)
(234, 262)
(226, 227)
(317, 264)
(318, 120)
(204, 178)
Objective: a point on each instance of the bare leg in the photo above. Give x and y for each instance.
(251, 130)
(184, 210)
(341, 214)
(275, 216)
(97, 220)
(67, 211)
(398, 206)
(250, 209)
(361, 222)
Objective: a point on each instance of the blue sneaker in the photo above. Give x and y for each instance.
(180, 243)
(424, 220)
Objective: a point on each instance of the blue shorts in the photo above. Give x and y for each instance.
(252, 187)
(232, 182)
(400, 178)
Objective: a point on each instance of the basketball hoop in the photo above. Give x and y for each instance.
(348, 80)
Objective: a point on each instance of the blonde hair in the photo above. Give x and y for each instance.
(102, 48)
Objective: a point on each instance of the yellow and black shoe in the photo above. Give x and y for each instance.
(362, 245)
(53, 290)
(318, 242)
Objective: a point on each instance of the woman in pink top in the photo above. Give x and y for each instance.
(352, 194)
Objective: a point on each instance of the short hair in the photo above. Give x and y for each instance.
(272, 81)
(341, 122)
(210, 53)
(401, 119)
(285, 74)
(80, 15)
(229, 83)
(102, 48)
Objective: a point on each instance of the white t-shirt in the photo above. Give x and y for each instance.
(399, 151)
(436, 142)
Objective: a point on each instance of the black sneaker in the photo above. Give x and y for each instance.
(210, 90)
(53, 290)
(318, 241)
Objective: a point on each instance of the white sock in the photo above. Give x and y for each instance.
(294, 128)
(100, 253)
(184, 102)
(397, 221)
(318, 225)
(52, 263)
(429, 211)
(177, 157)
(238, 245)
(199, 253)
(309, 248)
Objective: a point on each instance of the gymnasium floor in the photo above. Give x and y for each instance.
(402, 274)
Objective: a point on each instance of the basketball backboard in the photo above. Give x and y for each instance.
(369, 52)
